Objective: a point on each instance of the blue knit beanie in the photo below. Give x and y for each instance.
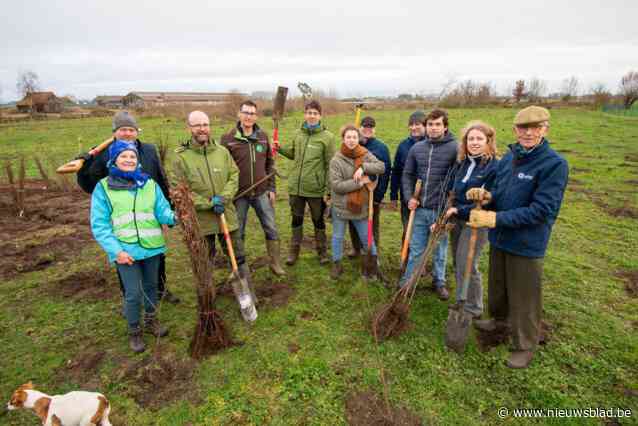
(119, 146)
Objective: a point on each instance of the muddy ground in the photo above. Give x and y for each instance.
(53, 227)
(367, 409)
(630, 277)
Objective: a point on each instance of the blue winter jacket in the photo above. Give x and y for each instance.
(433, 161)
(102, 226)
(527, 193)
(400, 156)
(483, 173)
(380, 150)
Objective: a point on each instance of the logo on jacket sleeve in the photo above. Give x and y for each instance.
(260, 148)
(523, 176)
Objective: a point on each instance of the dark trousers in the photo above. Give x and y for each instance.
(298, 208)
(354, 236)
(235, 239)
(515, 294)
(140, 280)
(161, 283)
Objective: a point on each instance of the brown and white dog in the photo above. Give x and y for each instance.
(76, 408)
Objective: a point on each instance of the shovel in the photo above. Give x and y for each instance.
(408, 230)
(370, 266)
(277, 113)
(242, 290)
(458, 319)
(75, 165)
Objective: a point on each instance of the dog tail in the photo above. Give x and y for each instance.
(101, 416)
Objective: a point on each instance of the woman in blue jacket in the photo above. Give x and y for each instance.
(128, 210)
(477, 158)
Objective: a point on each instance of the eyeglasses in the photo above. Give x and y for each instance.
(249, 113)
(200, 126)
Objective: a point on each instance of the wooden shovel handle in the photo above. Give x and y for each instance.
(75, 165)
(471, 249)
(229, 243)
(408, 231)
(370, 217)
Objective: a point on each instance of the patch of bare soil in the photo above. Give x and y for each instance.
(632, 157)
(159, 379)
(307, 315)
(83, 368)
(624, 211)
(367, 409)
(489, 340)
(632, 182)
(272, 293)
(631, 281)
(390, 320)
(580, 170)
(308, 242)
(53, 227)
(86, 285)
(293, 348)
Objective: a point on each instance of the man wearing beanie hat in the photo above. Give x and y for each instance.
(521, 207)
(416, 127)
(124, 127)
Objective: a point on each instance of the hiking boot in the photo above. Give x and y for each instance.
(520, 359)
(295, 245)
(153, 326)
(320, 242)
(442, 293)
(273, 248)
(135, 340)
(337, 270)
(490, 325)
(169, 297)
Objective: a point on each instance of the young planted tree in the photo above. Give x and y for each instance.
(211, 334)
(519, 91)
(629, 88)
(600, 95)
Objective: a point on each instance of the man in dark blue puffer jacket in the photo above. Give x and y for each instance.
(432, 161)
(524, 202)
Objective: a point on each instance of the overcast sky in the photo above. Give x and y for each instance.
(355, 48)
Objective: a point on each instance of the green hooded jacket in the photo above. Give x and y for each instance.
(311, 151)
(210, 170)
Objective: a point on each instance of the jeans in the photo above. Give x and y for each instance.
(420, 236)
(140, 284)
(339, 230)
(264, 211)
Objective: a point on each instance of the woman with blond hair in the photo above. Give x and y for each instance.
(477, 167)
(353, 170)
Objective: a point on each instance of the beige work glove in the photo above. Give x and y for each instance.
(482, 219)
(479, 194)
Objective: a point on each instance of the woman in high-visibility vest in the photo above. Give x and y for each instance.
(128, 210)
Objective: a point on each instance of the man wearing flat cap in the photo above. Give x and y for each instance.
(95, 168)
(522, 205)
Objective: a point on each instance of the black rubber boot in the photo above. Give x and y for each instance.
(135, 340)
(153, 326)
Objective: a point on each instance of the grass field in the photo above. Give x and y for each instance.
(302, 359)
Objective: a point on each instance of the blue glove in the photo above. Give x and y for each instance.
(218, 204)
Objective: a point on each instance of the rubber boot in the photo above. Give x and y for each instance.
(153, 326)
(244, 273)
(295, 245)
(337, 270)
(320, 242)
(520, 359)
(274, 250)
(135, 340)
(490, 325)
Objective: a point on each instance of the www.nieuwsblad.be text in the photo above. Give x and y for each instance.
(591, 412)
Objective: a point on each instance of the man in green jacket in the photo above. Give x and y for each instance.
(311, 149)
(213, 178)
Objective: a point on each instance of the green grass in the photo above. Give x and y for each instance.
(590, 361)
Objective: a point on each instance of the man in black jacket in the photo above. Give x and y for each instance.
(95, 168)
(432, 161)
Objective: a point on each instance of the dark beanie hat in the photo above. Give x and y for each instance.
(124, 119)
(368, 122)
(417, 117)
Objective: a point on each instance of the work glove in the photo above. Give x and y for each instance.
(482, 219)
(218, 204)
(479, 194)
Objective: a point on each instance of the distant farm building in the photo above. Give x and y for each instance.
(154, 99)
(110, 101)
(42, 102)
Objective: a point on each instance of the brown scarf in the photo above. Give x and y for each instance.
(357, 198)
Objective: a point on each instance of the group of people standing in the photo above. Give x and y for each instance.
(513, 202)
